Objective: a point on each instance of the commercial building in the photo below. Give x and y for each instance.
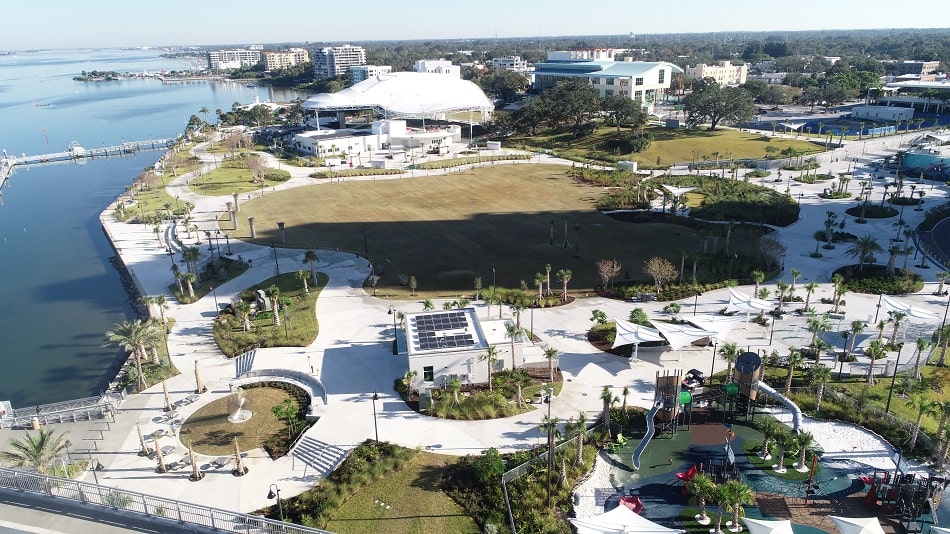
(361, 147)
(645, 81)
(234, 58)
(438, 66)
(333, 61)
(917, 67)
(724, 72)
(286, 58)
(514, 63)
(365, 72)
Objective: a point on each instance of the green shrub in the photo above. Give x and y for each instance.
(276, 175)
(874, 279)
(354, 172)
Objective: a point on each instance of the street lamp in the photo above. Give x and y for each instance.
(493, 275)
(274, 492)
(171, 254)
(177, 203)
(392, 311)
(893, 380)
(550, 443)
(227, 241)
(274, 247)
(696, 302)
(215, 296)
(375, 426)
(67, 445)
(210, 243)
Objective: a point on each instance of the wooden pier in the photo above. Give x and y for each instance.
(77, 152)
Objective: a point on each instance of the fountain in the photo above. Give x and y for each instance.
(236, 407)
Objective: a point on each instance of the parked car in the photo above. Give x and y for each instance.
(694, 378)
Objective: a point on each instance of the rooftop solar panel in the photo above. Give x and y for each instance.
(443, 330)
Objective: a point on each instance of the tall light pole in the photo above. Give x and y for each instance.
(273, 492)
(227, 241)
(375, 426)
(215, 296)
(696, 302)
(274, 247)
(887, 406)
(392, 311)
(550, 444)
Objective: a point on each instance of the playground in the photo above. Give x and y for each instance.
(707, 429)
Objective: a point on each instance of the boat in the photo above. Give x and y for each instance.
(250, 85)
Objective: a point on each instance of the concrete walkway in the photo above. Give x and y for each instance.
(351, 356)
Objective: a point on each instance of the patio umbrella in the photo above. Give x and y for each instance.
(239, 469)
(199, 386)
(857, 525)
(168, 404)
(196, 473)
(143, 448)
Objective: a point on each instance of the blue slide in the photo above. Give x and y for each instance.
(651, 429)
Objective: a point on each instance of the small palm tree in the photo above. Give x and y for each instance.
(810, 288)
(784, 440)
(243, 308)
(580, 428)
(35, 451)
(408, 380)
(898, 318)
(550, 354)
(704, 489)
(923, 406)
(311, 258)
(758, 277)
(794, 360)
(736, 494)
(941, 408)
(942, 278)
(769, 427)
(512, 331)
(729, 352)
(303, 275)
(273, 295)
(795, 274)
(190, 279)
(455, 385)
(805, 441)
(134, 336)
(609, 400)
(564, 275)
(921, 345)
(491, 356)
(816, 325)
(624, 394)
(819, 376)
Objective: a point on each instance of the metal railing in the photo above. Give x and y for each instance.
(158, 508)
(66, 411)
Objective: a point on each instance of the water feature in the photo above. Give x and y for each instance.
(59, 292)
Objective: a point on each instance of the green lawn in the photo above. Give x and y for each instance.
(446, 230)
(209, 431)
(409, 500)
(225, 179)
(670, 145)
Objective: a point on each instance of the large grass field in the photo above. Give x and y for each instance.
(671, 145)
(445, 230)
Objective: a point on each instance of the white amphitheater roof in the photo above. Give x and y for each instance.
(407, 94)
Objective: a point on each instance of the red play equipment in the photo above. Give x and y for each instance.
(690, 474)
(632, 502)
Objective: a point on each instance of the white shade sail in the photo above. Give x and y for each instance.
(677, 191)
(744, 303)
(680, 335)
(857, 525)
(761, 526)
(620, 520)
(720, 324)
(634, 334)
(913, 312)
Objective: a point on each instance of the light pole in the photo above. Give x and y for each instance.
(392, 311)
(274, 247)
(67, 445)
(274, 492)
(897, 362)
(215, 296)
(95, 466)
(177, 203)
(227, 241)
(550, 444)
(171, 254)
(696, 302)
(493, 275)
(712, 370)
(375, 426)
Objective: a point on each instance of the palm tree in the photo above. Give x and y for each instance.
(273, 295)
(455, 385)
(580, 427)
(810, 288)
(511, 332)
(564, 275)
(427, 305)
(921, 345)
(243, 308)
(898, 317)
(816, 325)
(893, 252)
(942, 278)
(758, 277)
(805, 441)
(190, 279)
(922, 405)
(134, 336)
(161, 302)
(491, 356)
(943, 409)
(729, 352)
(311, 258)
(769, 427)
(547, 269)
(795, 274)
(608, 398)
(703, 488)
(37, 451)
(837, 280)
(191, 256)
(863, 249)
(408, 380)
(737, 493)
(874, 351)
(794, 360)
(857, 327)
(819, 376)
(176, 272)
(781, 288)
(303, 275)
(550, 354)
(784, 440)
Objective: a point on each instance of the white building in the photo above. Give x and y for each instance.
(448, 343)
(365, 72)
(284, 59)
(725, 73)
(438, 66)
(235, 58)
(882, 113)
(514, 63)
(333, 61)
(359, 147)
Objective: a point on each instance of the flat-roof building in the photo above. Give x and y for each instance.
(725, 73)
(438, 66)
(359, 73)
(917, 67)
(285, 58)
(333, 61)
(234, 58)
(514, 63)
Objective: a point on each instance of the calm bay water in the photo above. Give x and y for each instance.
(58, 291)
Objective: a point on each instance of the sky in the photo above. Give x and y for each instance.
(121, 23)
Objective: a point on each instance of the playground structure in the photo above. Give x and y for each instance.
(666, 409)
(912, 500)
(748, 378)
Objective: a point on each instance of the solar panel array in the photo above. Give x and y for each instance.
(443, 330)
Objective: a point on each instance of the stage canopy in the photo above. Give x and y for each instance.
(680, 335)
(744, 303)
(857, 525)
(620, 520)
(913, 312)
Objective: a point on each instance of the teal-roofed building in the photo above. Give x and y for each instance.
(645, 81)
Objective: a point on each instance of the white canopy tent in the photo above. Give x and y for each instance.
(631, 333)
(680, 335)
(744, 303)
(857, 525)
(913, 312)
(761, 526)
(620, 520)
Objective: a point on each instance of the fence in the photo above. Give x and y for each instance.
(158, 508)
(84, 409)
